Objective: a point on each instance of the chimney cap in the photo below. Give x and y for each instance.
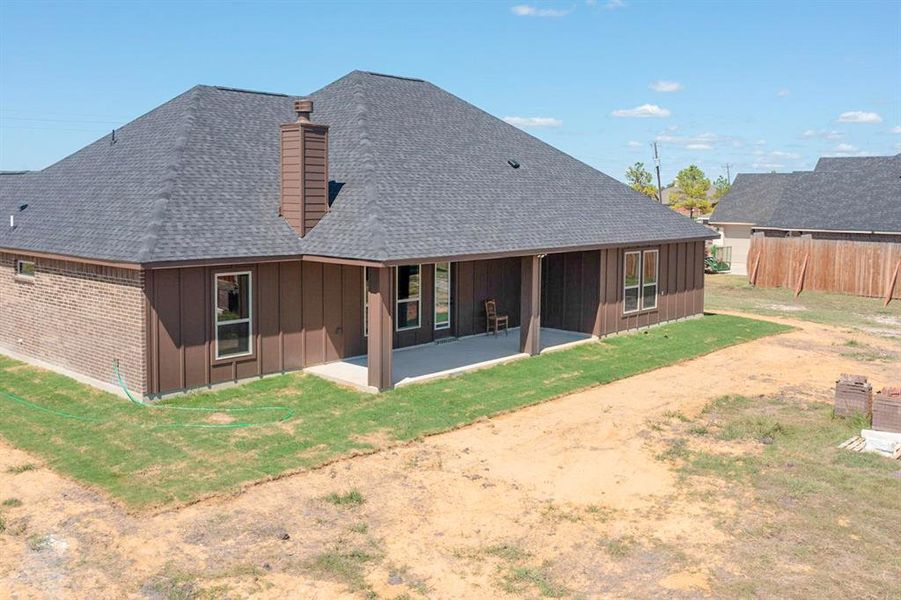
(303, 108)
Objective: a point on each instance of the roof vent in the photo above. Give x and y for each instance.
(303, 108)
(513, 163)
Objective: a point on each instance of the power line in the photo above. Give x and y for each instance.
(728, 166)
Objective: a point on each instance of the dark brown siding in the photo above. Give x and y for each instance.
(303, 314)
(480, 280)
(307, 313)
(582, 291)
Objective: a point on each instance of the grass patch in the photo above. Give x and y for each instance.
(12, 503)
(813, 521)
(21, 468)
(361, 528)
(351, 498)
(732, 292)
(138, 457)
(508, 552)
(344, 566)
(619, 547)
(519, 580)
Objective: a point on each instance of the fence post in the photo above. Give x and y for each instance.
(890, 285)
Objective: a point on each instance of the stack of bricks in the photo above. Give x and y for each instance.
(887, 410)
(853, 395)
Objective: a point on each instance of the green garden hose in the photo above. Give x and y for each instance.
(238, 425)
(288, 413)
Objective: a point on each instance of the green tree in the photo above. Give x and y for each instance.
(691, 191)
(721, 187)
(641, 180)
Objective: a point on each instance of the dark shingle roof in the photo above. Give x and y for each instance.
(851, 163)
(842, 194)
(419, 173)
(752, 198)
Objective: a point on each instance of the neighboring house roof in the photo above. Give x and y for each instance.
(861, 194)
(418, 173)
(850, 163)
(753, 198)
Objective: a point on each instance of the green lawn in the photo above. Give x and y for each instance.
(732, 292)
(145, 457)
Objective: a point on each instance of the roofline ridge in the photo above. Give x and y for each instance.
(367, 164)
(173, 170)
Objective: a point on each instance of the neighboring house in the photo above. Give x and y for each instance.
(853, 200)
(229, 234)
(751, 201)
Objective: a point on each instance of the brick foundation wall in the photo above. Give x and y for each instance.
(78, 316)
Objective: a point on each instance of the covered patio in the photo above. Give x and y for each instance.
(441, 359)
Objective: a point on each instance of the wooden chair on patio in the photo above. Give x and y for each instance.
(494, 320)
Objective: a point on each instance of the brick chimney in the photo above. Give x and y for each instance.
(304, 170)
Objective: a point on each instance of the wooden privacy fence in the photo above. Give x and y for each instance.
(803, 263)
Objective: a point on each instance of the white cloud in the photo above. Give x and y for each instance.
(859, 116)
(760, 143)
(896, 129)
(781, 154)
(699, 147)
(525, 10)
(767, 165)
(783, 93)
(847, 150)
(665, 86)
(643, 111)
(634, 144)
(533, 121)
(613, 4)
(824, 134)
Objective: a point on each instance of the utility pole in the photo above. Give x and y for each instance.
(657, 164)
(727, 166)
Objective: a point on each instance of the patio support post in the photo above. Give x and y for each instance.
(381, 327)
(530, 306)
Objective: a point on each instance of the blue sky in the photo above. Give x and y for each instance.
(761, 86)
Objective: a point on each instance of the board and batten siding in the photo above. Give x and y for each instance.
(299, 318)
(306, 313)
(583, 291)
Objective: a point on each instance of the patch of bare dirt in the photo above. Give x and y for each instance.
(570, 494)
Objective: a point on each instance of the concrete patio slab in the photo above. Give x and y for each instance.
(441, 359)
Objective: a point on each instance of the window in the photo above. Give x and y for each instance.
(407, 297)
(442, 295)
(233, 314)
(25, 268)
(649, 280)
(640, 281)
(632, 281)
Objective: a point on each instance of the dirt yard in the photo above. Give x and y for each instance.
(568, 498)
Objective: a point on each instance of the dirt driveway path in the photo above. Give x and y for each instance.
(536, 502)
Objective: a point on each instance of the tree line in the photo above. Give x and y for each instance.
(691, 189)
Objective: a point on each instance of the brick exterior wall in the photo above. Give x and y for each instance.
(78, 316)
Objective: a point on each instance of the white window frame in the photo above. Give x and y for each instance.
(447, 325)
(22, 261)
(397, 301)
(656, 283)
(249, 319)
(365, 302)
(631, 287)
